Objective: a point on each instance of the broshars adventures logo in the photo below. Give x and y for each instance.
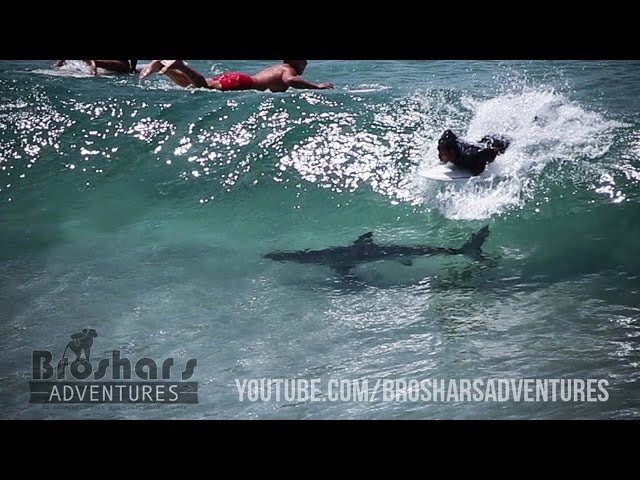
(114, 379)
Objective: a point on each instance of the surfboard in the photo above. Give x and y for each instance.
(446, 173)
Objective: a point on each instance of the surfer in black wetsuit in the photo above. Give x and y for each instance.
(469, 156)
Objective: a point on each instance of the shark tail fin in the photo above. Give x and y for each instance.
(473, 248)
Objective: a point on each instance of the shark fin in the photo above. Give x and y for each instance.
(406, 261)
(473, 248)
(366, 238)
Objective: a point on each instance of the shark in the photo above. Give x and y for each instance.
(364, 249)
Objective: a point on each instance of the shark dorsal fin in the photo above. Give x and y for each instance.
(366, 238)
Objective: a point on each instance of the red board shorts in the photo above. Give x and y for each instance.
(234, 81)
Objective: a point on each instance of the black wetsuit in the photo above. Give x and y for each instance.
(474, 157)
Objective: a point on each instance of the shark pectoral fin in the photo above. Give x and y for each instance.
(342, 270)
(406, 261)
(366, 238)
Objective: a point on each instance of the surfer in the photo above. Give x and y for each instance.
(118, 66)
(276, 78)
(469, 156)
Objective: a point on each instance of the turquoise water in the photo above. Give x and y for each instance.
(143, 210)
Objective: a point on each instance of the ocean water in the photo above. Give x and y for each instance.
(143, 210)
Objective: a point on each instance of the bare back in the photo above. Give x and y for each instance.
(271, 78)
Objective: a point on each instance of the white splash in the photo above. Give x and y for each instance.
(545, 127)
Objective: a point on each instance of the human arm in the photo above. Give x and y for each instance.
(296, 81)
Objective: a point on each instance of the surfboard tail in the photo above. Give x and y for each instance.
(473, 248)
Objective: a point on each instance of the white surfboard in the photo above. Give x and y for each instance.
(446, 173)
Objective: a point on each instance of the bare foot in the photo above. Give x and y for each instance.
(169, 64)
(153, 67)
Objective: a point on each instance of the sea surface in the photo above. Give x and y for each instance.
(143, 210)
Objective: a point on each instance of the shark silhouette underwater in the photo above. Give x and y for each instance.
(364, 249)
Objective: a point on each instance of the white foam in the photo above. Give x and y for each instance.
(74, 68)
(367, 88)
